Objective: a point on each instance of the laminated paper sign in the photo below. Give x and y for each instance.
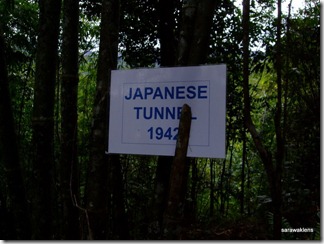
(145, 107)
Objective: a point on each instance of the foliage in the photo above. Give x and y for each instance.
(138, 36)
(215, 187)
(86, 94)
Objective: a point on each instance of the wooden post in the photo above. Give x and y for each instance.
(178, 180)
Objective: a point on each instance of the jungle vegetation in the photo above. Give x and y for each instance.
(57, 183)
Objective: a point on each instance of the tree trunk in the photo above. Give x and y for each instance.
(221, 189)
(69, 93)
(277, 197)
(119, 218)
(248, 186)
(174, 213)
(9, 156)
(243, 171)
(197, 17)
(97, 196)
(166, 32)
(228, 182)
(43, 117)
(163, 169)
(193, 40)
(190, 207)
(273, 173)
(212, 189)
(189, 10)
(201, 34)
(265, 155)
(159, 202)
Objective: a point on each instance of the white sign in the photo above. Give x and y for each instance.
(145, 108)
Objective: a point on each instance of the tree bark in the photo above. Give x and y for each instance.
(192, 50)
(69, 94)
(265, 155)
(166, 32)
(174, 212)
(43, 117)
(97, 196)
(194, 190)
(119, 218)
(189, 10)
(159, 202)
(202, 29)
(9, 156)
(197, 17)
(222, 190)
(163, 169)
(277, 197)
(273, 172)
(244, 158)
(212, 189)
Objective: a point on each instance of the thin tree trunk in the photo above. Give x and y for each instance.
(248, 186)
(288, 55)
(221, 189)
(265, 155)
(212, 193)
(273, 173)
(69, 93)
(277, 197)
(97, 197)
(159, 203)
(193, 191)
(243, 171)
(163, 169)
(228, 182)
(9, 156)
(43, 118)
(120, 220)
(166, 32)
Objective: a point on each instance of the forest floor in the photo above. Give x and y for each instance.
(235, 230)
(246, 229)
